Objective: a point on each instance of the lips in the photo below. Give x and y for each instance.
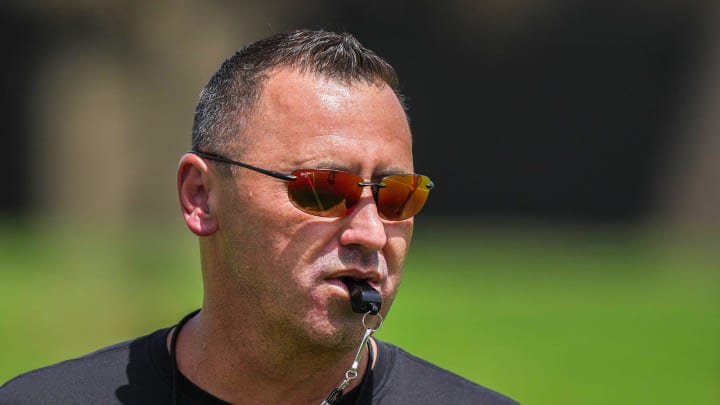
(338, 283)
(362, 292)
(343, 278)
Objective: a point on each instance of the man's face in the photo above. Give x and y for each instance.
(287, 263)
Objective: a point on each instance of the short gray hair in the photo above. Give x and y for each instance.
(231, 94)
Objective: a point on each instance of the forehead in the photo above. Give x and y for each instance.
(303, 118)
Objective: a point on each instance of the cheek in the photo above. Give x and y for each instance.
(256, 222)
(293, 243)
(399, 236)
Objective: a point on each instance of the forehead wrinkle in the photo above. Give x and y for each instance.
(325, 155)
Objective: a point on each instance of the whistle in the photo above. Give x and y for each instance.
(363, 298)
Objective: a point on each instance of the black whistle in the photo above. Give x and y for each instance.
(363, 298)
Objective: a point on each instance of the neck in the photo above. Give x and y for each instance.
(250, 368)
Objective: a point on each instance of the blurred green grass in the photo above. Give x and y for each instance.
(546, 317)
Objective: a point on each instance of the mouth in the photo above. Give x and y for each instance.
(346, 282)
(361, 290)
(363, 297)
(350, 281)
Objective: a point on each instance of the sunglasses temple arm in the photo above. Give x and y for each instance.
(223, 159)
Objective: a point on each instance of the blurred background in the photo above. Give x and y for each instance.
(569, 254)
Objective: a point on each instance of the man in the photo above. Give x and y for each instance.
(300, 186)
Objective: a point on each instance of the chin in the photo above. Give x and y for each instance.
(335, 332)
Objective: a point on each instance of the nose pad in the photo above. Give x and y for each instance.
(364, 226)
(374, 190)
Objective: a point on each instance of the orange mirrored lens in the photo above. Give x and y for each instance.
(403, 196)
(325, 193)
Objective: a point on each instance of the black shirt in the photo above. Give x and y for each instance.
(139, 372)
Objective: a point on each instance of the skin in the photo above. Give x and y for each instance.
(276, 324)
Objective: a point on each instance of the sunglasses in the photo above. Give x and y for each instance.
(334, 193)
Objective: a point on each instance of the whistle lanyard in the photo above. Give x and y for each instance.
(351, 374)
(173, 356)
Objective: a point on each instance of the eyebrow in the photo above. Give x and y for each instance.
(330, 165)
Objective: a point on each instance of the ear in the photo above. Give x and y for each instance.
(193, 182)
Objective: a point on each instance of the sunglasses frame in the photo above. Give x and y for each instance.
(221, 158)
(290, 177)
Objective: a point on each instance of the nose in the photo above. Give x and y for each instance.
(364, 227)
